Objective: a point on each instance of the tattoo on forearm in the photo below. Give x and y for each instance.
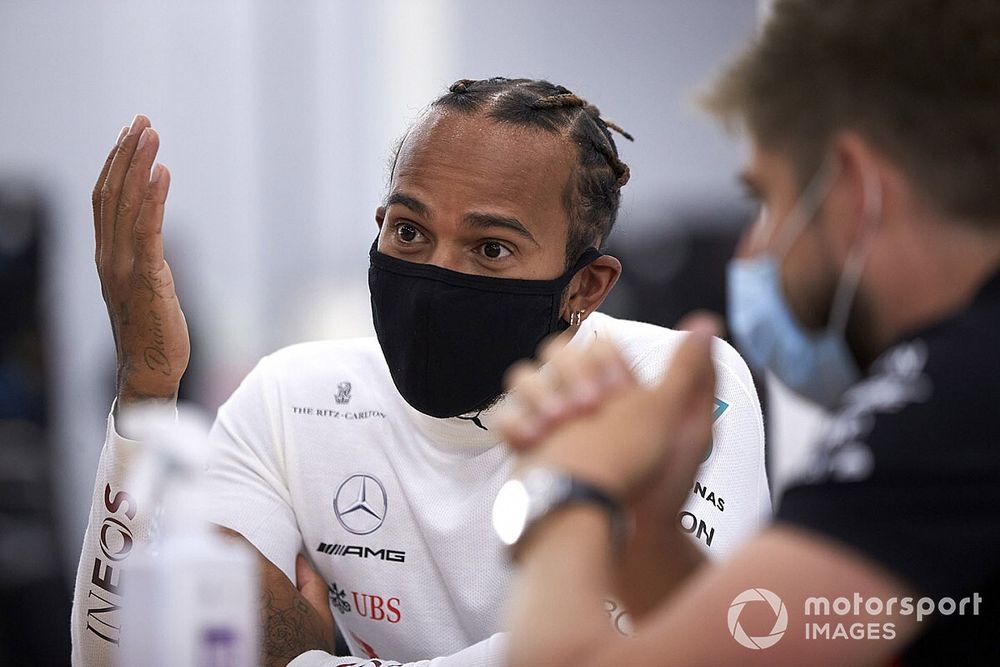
(289, 631)
(157, 287)
(155, 355)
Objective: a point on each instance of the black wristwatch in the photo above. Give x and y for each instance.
(525, 500)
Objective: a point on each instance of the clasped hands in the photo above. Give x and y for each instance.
(580, 409)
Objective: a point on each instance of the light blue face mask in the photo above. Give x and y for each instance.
(817, 365)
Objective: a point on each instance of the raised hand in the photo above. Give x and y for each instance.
(150, 332)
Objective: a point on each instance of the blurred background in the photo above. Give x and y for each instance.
(277, 120)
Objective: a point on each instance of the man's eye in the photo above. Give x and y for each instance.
(407, 233)
(494, 250)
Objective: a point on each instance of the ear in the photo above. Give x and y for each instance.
(856, 199)
(590, 286)
(380, 216)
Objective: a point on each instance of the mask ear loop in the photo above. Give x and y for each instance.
(807, 206)
(854, 265)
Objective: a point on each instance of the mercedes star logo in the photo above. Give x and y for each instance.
(360, 504)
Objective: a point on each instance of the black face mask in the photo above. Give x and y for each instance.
(448, 337)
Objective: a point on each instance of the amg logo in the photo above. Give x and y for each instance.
(391, 555)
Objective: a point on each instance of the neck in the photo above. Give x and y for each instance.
(918, 277)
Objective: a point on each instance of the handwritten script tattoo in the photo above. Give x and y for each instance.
(155, 355)
(157, 287)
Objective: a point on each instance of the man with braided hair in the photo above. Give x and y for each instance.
(364, 470)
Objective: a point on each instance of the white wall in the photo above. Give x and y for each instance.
(276, 120)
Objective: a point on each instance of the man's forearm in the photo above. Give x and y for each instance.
(653, 565)
(290, 625)
(117, 524)
(567, 554)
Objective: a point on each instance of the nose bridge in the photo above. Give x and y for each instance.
(447, 253)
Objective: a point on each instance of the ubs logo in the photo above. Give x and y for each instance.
(343, 393)
(360, 504)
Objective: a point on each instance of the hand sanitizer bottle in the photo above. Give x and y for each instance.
(191, 595)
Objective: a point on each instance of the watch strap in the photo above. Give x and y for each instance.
(577, 491)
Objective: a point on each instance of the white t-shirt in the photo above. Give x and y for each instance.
(318, 453)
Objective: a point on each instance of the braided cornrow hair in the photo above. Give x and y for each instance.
(592, 201)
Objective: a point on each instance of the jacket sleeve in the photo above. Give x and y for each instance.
(116, 526)
(247, 477)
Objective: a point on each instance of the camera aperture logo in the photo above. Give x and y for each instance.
(854, 617)
(780, 618)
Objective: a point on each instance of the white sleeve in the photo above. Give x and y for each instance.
(247, 478)
(116, 525)
(490, 652)
(730, 499)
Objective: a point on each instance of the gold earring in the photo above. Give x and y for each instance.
(575, 318)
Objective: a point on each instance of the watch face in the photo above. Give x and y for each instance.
(545, 488)
(510, 511)
(521, 502)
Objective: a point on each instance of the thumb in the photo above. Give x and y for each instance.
(691, 371)
(310, 584)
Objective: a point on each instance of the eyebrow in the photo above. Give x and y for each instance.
(474, 220)
(491, 220)
(409, 202)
